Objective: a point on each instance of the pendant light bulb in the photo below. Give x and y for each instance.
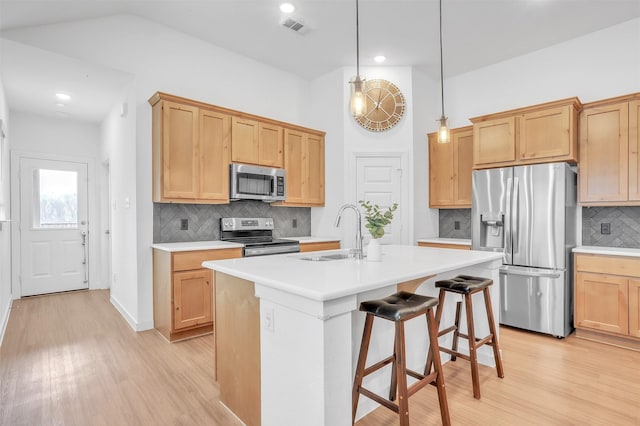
(444, 135)
(358, 101)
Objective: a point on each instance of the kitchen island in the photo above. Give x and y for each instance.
(289, 328)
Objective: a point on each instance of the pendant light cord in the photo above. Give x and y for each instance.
(357, 42)
(441, 65)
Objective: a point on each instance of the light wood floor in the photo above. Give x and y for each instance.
(71, 359)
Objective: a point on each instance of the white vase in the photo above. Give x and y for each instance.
(374, 250)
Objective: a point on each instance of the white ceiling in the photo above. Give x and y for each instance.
(476, 33)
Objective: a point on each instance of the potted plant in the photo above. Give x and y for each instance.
(376, 220)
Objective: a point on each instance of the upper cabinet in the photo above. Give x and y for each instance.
(254, 142)
(450, 166)
(304, 165)
(190, 154)
(609, 143)
(537, 134)
(194, 143)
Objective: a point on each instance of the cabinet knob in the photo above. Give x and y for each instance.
(177, 308)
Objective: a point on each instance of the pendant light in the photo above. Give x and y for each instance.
(443, 132)
(358, 101)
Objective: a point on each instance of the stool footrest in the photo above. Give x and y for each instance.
(448, 330)
(455, 353)
(377, 398)
(485, 341)
(377, 366)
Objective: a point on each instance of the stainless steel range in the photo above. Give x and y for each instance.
(256, 234)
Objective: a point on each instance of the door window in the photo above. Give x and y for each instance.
(55, 196)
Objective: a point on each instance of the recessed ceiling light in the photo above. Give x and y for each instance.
(63, 96)
(380, 59)
(287, 8)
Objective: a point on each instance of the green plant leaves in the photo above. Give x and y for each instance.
(376, 219)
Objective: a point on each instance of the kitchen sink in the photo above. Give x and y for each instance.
(326, 257)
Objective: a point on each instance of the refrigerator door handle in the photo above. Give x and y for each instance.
(507, 221)
(515, 214)
(530, 272)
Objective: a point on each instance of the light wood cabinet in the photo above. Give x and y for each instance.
(190, 153)
(183, 291)
(609, 161)
(450, 167)
(255, 142)
(444, 245)
(324, 245)
(304, 165)
(194, 143)
(606, 297)
(537, 134)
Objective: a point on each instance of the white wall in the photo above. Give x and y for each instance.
(118, 134)
(5, 208)
(161, 59)
(599, 65)
(62, 139)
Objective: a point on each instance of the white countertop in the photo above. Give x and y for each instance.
(457, 241)
(195, 245)
(328, 280)
(308, 240)
(610, 251)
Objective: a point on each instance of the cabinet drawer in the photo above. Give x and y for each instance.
(326, 245)
(615, 265)
(184, 261)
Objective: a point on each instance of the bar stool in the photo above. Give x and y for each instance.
(399, 308)
(467, 286)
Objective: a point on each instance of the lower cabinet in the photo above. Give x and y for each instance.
(324, 245)
(607, 299)
(183, 291)
(444, 245)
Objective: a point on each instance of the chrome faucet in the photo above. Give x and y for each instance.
(358, 250)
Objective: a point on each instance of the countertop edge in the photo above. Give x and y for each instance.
(610, 251)
(195, 246)
(442, 240)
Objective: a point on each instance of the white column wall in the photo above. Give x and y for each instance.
(5, 209)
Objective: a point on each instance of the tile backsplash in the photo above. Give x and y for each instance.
(447, 222)
(203, 220)
(623, 223)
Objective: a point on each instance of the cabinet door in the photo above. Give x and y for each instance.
(441, 193)
(215, 129)
(462, 165)
(293, 164)
(634, 308)
(179, 151)
(634, 146)
(244, 141)
(604, 153)
(601, 302)
(270, 146)
(313, 178)
(548, 133)
(192, 294)
(494, 141)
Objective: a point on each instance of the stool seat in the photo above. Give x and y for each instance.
(463, 284)
(399, 306)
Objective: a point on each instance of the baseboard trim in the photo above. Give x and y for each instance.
(5, 320)
(143, 326)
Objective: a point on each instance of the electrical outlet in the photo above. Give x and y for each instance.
(456, 224)
(294, 223)
(184, 224)
(605, 228)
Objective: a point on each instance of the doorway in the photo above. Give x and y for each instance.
(379, 180)
(53, 235)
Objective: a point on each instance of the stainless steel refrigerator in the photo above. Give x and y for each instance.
(529, 214)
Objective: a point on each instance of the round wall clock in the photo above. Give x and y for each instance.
(385, 106)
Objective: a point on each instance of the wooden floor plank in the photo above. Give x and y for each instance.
(71, 359)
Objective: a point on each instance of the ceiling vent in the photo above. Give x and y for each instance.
(294, 25)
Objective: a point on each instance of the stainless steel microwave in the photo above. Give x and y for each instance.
(249, 182)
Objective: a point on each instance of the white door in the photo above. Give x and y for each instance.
(378, 180)
(53, 226)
